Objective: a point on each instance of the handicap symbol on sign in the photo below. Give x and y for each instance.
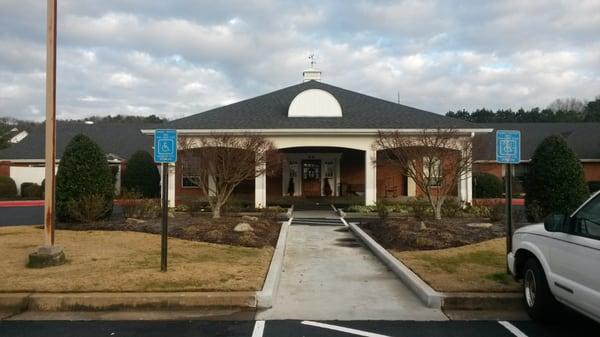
(509, 146)
(165, 148)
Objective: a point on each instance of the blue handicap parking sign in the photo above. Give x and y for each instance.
(165, 146)
(508, 146)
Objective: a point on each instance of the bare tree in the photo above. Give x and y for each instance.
(218, 163)
(434, 159)
(567, 104)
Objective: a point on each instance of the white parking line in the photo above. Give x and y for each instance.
(513, 329)
(342, 329)
(259, 328)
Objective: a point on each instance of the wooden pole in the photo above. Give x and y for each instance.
(50, 125)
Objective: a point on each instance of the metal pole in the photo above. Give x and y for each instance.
(165, 216)
(50, 156)
(508, 207)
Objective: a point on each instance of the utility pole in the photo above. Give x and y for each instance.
(49, 254)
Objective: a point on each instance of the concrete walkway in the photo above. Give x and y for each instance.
(328, 275)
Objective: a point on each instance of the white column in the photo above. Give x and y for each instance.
(171, 186)
(465, 185)
(411, 188)
(370, 177)
(260, 189)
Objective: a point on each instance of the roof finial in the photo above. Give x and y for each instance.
(312, 73)
(312, 59)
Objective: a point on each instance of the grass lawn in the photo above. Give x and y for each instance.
(479, 267)
(128, 261)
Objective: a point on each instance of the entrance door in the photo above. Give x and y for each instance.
(311, 178)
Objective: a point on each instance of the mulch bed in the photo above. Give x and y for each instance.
(407, 234)
(198, 228)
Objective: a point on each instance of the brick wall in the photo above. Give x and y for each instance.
(4, 168)
(592, 171)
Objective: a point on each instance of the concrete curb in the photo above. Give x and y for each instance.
(125, 301)
(264, 297)
(14, 301)
(482, 301)
(424, 292)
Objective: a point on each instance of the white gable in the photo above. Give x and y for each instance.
(315, 103)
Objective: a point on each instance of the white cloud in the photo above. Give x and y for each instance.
(176, 58)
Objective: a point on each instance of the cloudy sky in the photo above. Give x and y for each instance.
(174, 58)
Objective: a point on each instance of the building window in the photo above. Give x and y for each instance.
(190, 181)
(311, 170)
(432, 171)
(188, 178)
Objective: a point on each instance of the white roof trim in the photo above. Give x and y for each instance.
(314, 131)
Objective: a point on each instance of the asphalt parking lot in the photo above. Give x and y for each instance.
(29, 215)
(290, 328)
(21, 215)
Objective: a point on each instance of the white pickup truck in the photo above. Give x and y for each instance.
(559, 261)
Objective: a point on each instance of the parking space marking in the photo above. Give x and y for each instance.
(343, 329)
(513, 329)
(259, 328)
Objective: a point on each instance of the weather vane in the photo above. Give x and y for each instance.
(311, 57)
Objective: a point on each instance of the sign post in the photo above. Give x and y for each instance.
(508, 152)
(165, 152)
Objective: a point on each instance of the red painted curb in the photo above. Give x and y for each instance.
(22, 203)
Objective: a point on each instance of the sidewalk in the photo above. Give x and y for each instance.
(328, 275)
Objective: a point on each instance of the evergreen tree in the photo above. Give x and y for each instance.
(141, 175)
(83, 178)
(555, 182)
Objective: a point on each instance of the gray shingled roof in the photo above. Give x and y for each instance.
(583, 138)
(121, 139)
(360, 111)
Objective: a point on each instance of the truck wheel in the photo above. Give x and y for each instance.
(538, 298)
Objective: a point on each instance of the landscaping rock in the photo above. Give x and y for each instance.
(422, 226)
(134, 221)
(250, 218)
(479, 225)
(243, 227)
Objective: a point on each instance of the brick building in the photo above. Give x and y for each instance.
(583, 138)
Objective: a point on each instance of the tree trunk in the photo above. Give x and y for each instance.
(216, 211)
(437, 210)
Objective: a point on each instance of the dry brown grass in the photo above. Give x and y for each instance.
(128, 261)
(478, 267)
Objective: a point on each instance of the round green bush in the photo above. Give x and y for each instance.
(31, 190)
(487, 185)
(555, 181)
(8, 188)
(141, 175)
(83, 175)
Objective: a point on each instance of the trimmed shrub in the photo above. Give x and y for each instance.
(141, 175)
(83, 177)
(555, 182)
(135, 207)
(487, 185)
(8, 188)
(31, 190)
(88, 208)
(420, 207)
